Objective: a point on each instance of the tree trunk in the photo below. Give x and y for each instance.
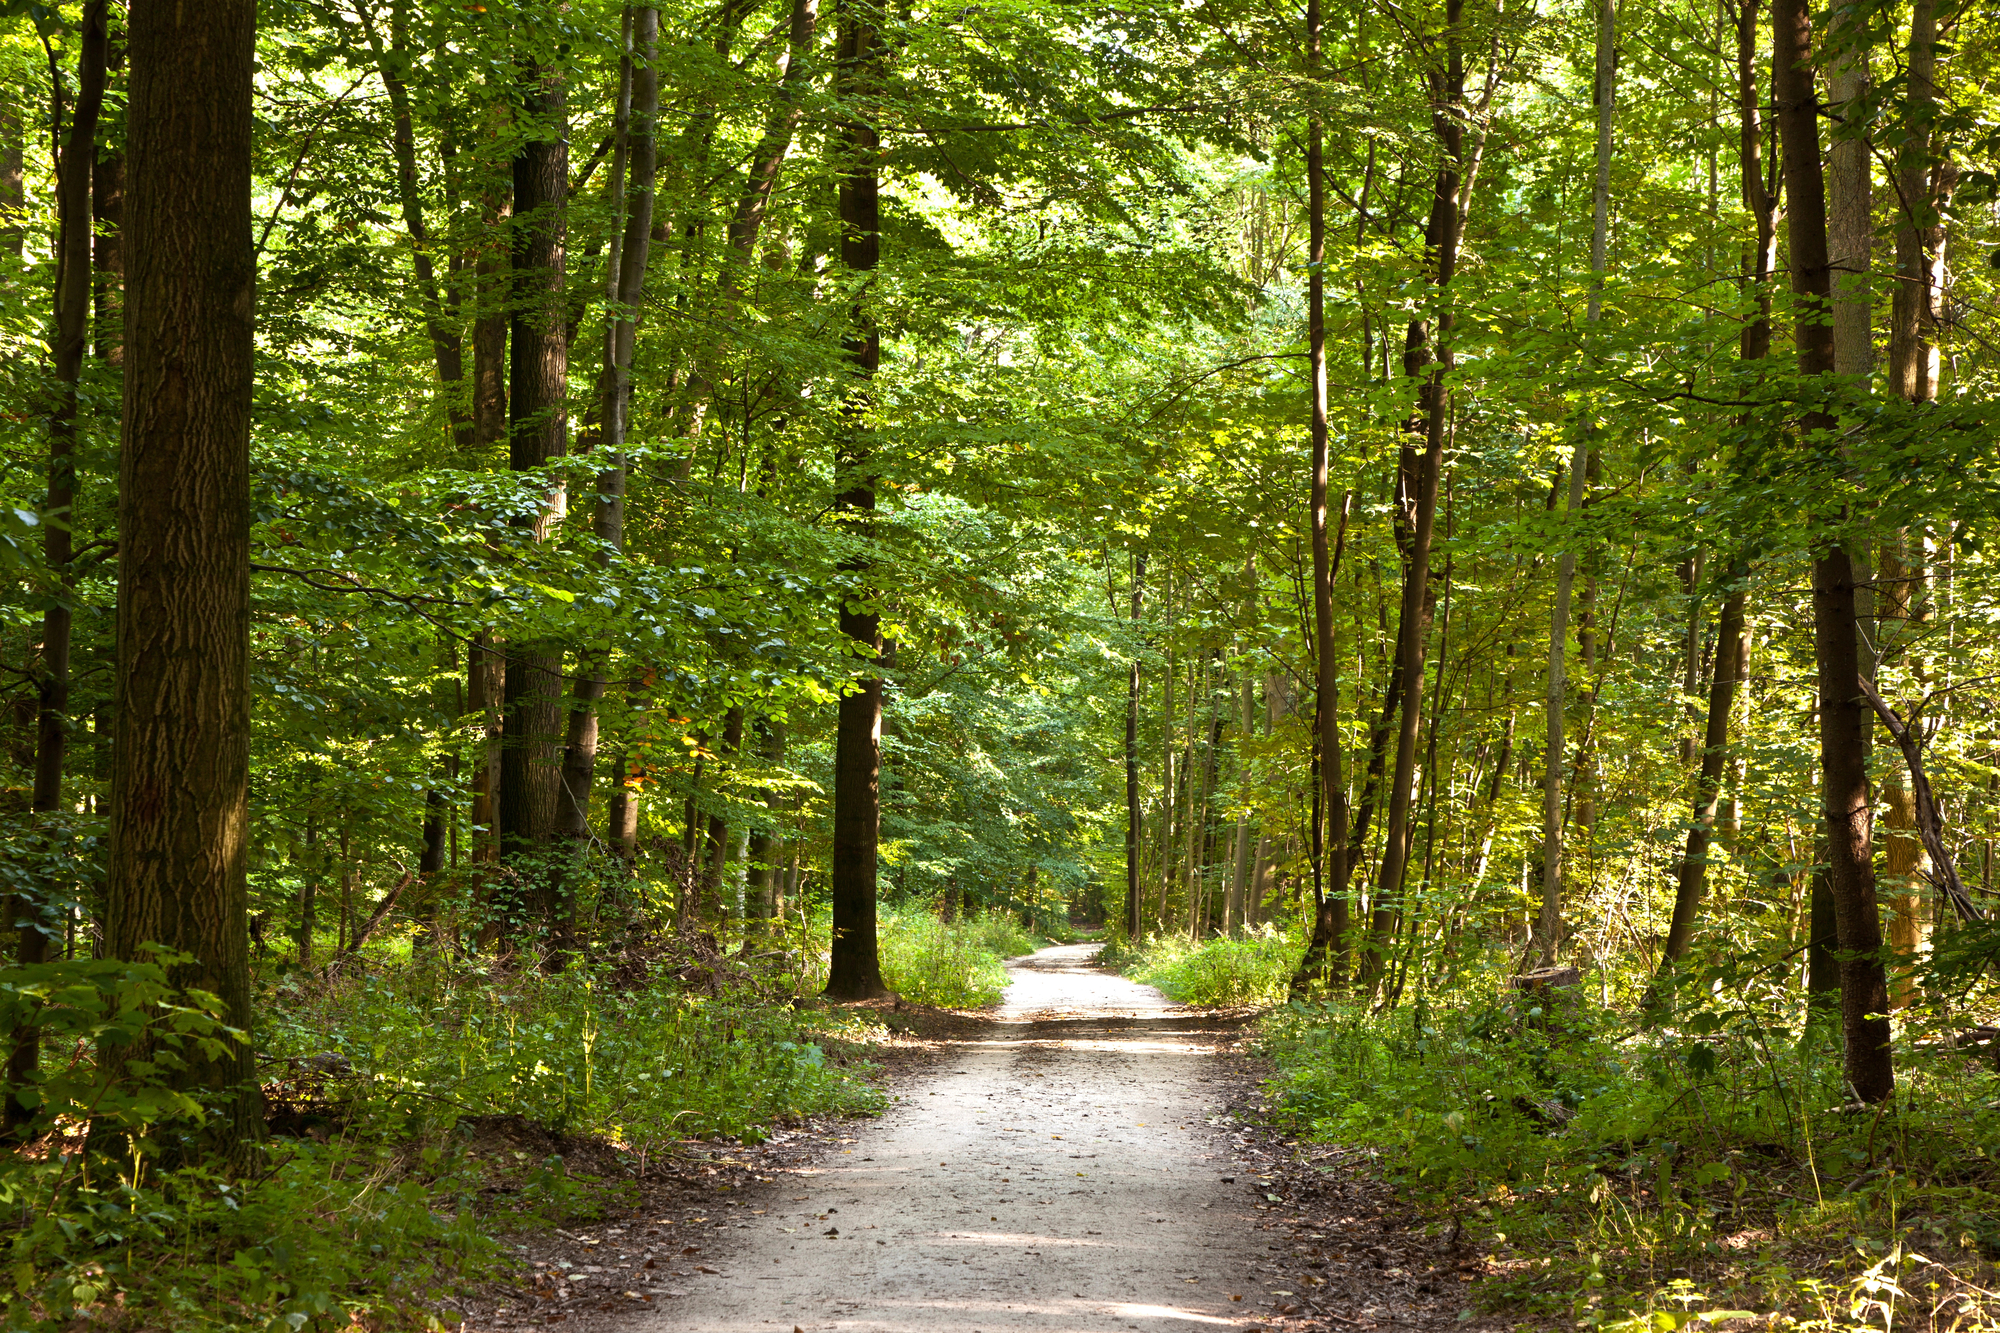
(855, 969)
(13, 192)
(621, 811)
(1843, 718)
(1327, 951)
(1907, 866)
(29, 915)
(485, 687)
(766, 844)
(532, 721)
(1134, 825)
(625, 291)
(1433, 359)
(179, 786)
(1693, 878)
(1239, 852)
(1548, 925)
(769, 154)
(716, 850)
(309, 873)
(447, 344)
(1921, 186)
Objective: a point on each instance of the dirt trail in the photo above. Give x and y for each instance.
(1054, 1174)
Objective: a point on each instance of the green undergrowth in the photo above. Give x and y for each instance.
(950, 964)
(386, 1086)
(370, 1198)
(1626, 1176)
(1254, 969)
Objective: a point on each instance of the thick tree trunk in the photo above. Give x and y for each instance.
(532, 719)
(179, 786)
(1844, 719)
(855, 970)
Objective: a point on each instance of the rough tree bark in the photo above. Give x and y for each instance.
(179, 785)
(538, 361)
(1843, 715)
(855, 968)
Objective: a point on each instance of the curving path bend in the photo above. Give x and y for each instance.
(1055, 1176)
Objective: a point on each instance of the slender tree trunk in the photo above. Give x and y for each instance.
(447, 344)
(1432, 358)
(1921, 185)
(485, 682)
(1239, 852)
(754, 203)
(13, 191)
(716, 849)
(625, 292)
(1326, 953)
(532, 723)
(1906, 864)
(766, 844)
(855, 969)
(621, 811)
(1548, 925)
(1693, 878)
(1134, 826)
(179, 786)
(1844, 719)
(309, 875)
(29, 916)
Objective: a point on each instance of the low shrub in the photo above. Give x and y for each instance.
(952, 965)
(1255, 969)
(1625, 1174)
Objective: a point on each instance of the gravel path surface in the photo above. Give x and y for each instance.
(1055, 1174)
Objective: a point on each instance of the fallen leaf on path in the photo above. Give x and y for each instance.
(704, 1268)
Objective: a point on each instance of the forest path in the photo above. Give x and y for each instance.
(1055, 1173)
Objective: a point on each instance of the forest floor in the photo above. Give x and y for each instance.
(1087, 1157)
